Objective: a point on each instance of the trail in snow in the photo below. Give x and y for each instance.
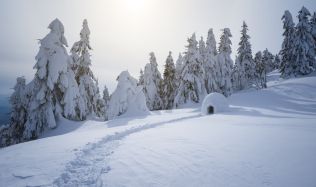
(90, 163)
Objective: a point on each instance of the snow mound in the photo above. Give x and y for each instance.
(128, 98)
(214, 103)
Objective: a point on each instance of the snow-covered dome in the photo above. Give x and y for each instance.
(214, 103)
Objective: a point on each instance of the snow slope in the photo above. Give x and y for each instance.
(268, 138)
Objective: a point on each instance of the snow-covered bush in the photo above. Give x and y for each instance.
(128, 98)
(214, 103)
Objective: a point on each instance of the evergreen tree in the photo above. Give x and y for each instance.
(244, 66)
(211, 67)
(152, 84)
(192, 85)
(313, 26)
(106, 100)
(128, 97)
(225, 63)
(287, 60)
(13, 132)
(53, 92)
(304, 46)
(268, 60)
(169, 83)
(87, 82)
(277, 61)
(260, 73)
(141, 78)
(202, 51)
(313, 32)
(179, 66)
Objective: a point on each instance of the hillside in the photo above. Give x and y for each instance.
(268, 138)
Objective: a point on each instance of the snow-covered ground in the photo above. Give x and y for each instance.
(268, 138)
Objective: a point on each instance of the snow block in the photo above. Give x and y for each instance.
(214, 103)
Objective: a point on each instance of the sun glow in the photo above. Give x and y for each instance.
(134, 5)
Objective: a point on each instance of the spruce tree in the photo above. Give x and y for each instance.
(53, 93)
(192, 85)
(277, 61)
(304, 45)
(13, 133)
(225, 63)
(268, 60)
(260, 73)
(152, 84)
(287, 60)
(211, 67)
(179, 66)
(244, 67)
(168, 90)
(87, 82)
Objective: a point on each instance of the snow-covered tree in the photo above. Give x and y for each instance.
(260, 73)
(287, 60)
(313, 26)
(141, 78)
(53, 91)
(244, 66)
(304, 45)
(202, 51)
(179, 66)
(225, 63)
(152, 84)
(13, 133)
(87, 82)
(169, 87)
(106, 95)
(192, 85)
(268, 60)
(128, 98)
(277, 61)
(106, 100)
(211, 67)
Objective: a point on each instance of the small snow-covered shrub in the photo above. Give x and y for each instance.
(214, 103)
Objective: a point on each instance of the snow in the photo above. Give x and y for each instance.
(215, 100)
(268, 138)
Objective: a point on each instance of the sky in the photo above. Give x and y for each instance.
(124, 32)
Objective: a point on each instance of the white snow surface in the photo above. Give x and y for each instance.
(268, 138)
(217, 101)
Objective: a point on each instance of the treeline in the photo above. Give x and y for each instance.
(65, 87)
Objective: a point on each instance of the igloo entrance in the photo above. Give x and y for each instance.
(210, 110)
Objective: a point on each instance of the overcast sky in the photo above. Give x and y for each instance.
(123, 32)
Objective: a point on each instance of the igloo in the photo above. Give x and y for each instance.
(214, 103)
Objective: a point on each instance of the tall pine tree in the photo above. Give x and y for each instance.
(287, 60)
(169, 83)
(304, 45)
(88, 88)
(152, 84)
(244, 66)
(225, 63)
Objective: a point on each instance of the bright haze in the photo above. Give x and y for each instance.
(123, 32)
